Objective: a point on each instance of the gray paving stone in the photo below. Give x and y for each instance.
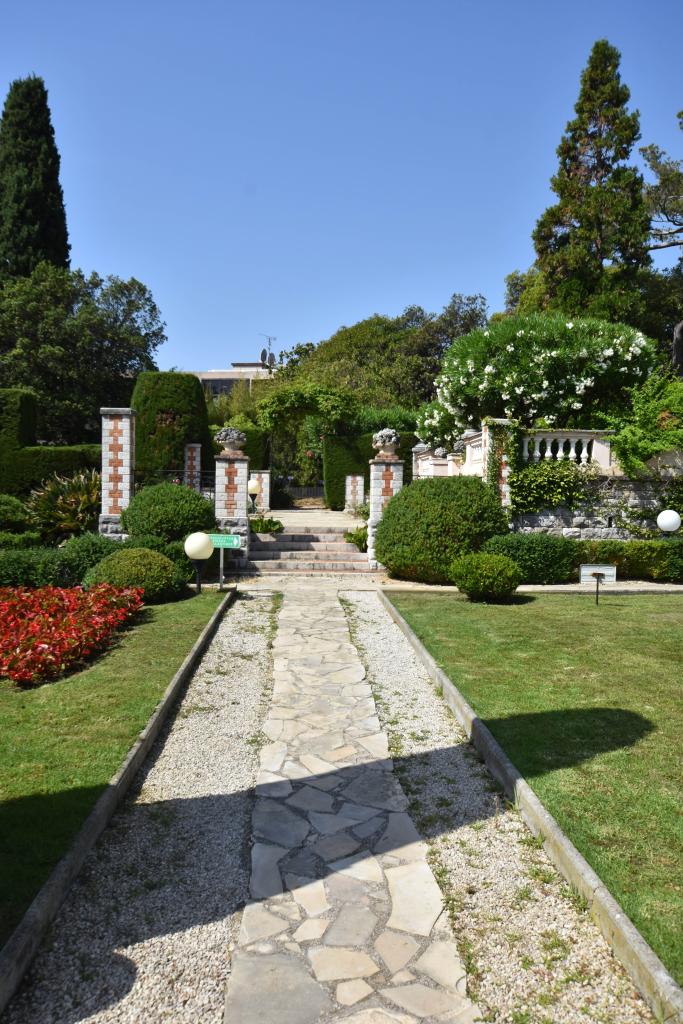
(265, 875)
(274, 821)
(339, 964)
(353, 926)
(273, 989)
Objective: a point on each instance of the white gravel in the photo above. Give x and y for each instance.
(534, 957)
(145, 932)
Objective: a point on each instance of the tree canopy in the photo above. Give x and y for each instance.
(32, 218)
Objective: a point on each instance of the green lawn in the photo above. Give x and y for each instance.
(588, 704)
(61, 743)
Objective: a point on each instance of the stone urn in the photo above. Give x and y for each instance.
(232, 440)
(385, 442)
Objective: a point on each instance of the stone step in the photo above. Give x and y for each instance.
(338, 547)
(353, 555)
(274, 565)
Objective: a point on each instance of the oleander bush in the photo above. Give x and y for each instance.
(66, 506)
(154, 573)
(541, 557)
(485, 577)
(428, 524)
(169, 511)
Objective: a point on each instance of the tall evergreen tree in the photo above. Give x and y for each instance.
(32, 217)
(591, 244)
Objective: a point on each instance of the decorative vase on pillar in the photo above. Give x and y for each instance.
(385, 442)
(232, 440)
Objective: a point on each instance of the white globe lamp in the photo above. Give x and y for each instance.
(253, 488)
(668, 521)
(198, 547)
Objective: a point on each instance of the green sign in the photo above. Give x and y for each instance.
(226, 540)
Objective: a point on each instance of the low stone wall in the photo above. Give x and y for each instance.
(613, 502)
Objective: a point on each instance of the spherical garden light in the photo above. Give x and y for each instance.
(253, 488)
(668, 521)
(198, 547)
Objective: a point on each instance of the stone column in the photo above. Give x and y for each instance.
(262, 478)
(418, 450)
(118, 467)
(231, 495)
(386, 480)
(354, 494)
(192, 476)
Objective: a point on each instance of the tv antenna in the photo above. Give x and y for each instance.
(268, 357)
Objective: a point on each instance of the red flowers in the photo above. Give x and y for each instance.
(46, 631)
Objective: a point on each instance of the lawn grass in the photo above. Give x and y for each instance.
(61, 743)
(588, 704)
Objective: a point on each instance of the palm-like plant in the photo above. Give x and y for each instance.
(64, 507)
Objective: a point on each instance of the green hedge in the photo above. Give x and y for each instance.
(345, 455)
(23, 464)
(542, 558)
(171, 412)
(657, 560)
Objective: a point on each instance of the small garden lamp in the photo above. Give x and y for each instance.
(253, 488)
(198, 547)
(668, 521)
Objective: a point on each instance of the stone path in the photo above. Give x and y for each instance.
(346, 920)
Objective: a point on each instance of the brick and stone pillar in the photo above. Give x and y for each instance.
(231, 495)
(118, 467)
(354, 493)
(262, 478)
(192, 476)
(386, 480)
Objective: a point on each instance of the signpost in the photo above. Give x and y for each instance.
(599, 573)
(232, 541)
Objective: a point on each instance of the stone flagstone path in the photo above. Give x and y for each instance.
(346, 920)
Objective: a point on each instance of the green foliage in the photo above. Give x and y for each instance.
(653, 425)
(139, 567)
(363, 511)
(428, 524)
(485, 577)
(256, 445)
(34, 567)
(344, 455)
(539, 367)
(664, 196)
(592, 242)
(171, 412)
(14, 516)
(263, 524)
(66, 506)
(171, 511)
(547, 484)
(17, 541)
(288, 402)
(78, 343)
(32, 217)
(359, 537)
(542, 558)
(80, 554)
(239, 401)
(658, 560)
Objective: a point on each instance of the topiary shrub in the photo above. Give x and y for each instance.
(35, 567)
(542, 558)
(66, 506)
(139, 567)
(169, 511)
(426, 525)
(485, 577)
(174, 549)
(14, 516)
(17, 541)
(171, 412)
(80, 554)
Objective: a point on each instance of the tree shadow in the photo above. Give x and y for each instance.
(172, 865)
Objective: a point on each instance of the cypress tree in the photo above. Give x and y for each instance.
(32, 217)
(592, 242)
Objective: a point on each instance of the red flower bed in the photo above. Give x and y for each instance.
(45, 632)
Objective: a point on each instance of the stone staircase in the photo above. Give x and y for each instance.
(305, 549)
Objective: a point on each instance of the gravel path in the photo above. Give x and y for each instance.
(146, 930)
(533, 956)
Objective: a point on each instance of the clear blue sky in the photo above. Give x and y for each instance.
(288, 166)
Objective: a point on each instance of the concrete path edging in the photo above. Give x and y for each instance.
(648, 973)
(22, 945)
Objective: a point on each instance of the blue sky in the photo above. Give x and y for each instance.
(288, 166)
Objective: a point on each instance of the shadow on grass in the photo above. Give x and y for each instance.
(166, 867)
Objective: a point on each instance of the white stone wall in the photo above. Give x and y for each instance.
(354, 494)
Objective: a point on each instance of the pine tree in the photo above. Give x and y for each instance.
(591, 244)
(32, 217)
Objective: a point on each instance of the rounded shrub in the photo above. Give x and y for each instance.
(139, 567)
(430, 522)
(169, 511)
(14, 517)
(80, 554)
(485, 577)
(542, 558)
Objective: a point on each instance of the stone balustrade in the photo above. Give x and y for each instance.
(583, 447)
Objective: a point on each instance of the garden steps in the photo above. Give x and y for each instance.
(305, 549)
(276, 565)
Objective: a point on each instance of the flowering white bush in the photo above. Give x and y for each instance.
(545, 367)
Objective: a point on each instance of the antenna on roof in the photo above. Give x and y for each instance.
(268, 357)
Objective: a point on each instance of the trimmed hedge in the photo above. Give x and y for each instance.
(485, 577)
(345, 455)
(169, 511)
(171, 412)
(542, 558)
(17, 541)
(35, 567)
(658, 560)
(139, 567)
(14, 517)
(25, 465)
(431, 522)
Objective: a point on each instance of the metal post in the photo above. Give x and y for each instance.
(220, 569)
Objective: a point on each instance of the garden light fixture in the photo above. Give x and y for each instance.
(198, 547)
(253, 488)
(668, 521)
